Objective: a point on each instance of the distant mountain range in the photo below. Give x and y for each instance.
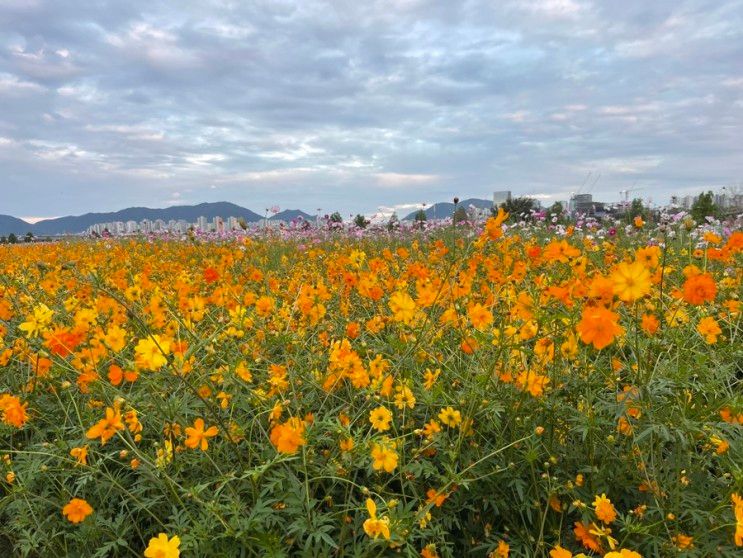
(73, 225)
(10, 224)
(81, 223)
(442, 210)
(290, 215)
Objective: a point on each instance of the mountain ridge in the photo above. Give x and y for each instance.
(442, 210)
(76, 224)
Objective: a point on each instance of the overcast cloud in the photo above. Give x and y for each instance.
(353, 105)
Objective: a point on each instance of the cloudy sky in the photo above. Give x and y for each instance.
(353, 105)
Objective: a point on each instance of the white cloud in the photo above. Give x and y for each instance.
(203, 159)
(397, 180)
(13, 85)
(557, 9)
(623, 165)
(134, 132)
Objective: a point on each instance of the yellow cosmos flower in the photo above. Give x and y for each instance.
(380, 419)
(403, 307)
(631, 281)
(37, 321)
(450, 417)
(162, 547)
(373, 526)
(151, 352)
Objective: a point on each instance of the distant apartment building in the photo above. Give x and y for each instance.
(581, 203)
(682, 202)
(477, 214)
(729, 200)
(233, 223)
(500, 197)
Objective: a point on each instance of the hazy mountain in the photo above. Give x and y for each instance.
(189, 213)
(290, 215)
(14, 225)
(442, 210)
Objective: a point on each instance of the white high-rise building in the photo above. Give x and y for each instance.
(500, 197)
(218, 224)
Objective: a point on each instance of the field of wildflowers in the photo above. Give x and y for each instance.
(516, 389)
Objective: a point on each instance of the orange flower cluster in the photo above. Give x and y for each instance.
(13, 412)
(389, 369)
(288, 436)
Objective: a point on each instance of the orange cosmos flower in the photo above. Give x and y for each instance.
(683, 541)
(503, 549)
(480, 317)
(560, 552)
(288, 436)
(650, 324)
(346, 444)
(264, 306)
(598, 326)
(469, 345)
(62, 342)
(604, 509)
(197, 437)
(106, 428)
(76, 510)
(115, 375)
(699, 289)
(532, 382)
(435, 497)
(493, 226)
(709, 329)
(583, 533)
(81, 454)
(210, 275)
(738, 511)
(13, 411)
(430, 429)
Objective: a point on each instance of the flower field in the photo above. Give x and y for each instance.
(510, 390)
